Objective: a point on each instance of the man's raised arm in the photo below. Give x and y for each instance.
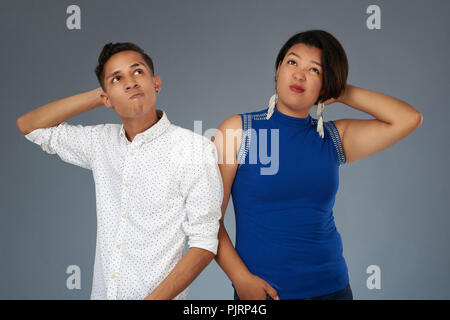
(53, 113)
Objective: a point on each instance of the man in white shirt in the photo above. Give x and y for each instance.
(156, 183)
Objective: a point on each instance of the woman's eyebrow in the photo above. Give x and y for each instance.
(297, 55)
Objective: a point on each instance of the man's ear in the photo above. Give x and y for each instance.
(157, 83)
(105, 99)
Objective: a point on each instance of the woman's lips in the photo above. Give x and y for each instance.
(296, 89)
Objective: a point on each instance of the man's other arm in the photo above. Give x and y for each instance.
(55, 112)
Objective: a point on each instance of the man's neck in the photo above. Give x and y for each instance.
(135, 126)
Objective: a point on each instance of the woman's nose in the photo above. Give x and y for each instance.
(299, 74)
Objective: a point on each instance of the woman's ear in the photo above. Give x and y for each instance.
(322, 92)
(277, 72)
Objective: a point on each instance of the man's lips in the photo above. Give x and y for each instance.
(137, 95)
(296, 89)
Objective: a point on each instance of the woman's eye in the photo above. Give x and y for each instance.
(316, 70)
(292, 62)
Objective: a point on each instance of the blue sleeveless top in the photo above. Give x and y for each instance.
(283, 196)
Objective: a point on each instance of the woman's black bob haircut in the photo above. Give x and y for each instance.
(334, 60)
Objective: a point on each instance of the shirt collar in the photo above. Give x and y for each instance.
(153, 132)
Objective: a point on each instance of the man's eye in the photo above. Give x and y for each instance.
(138, 70)
(116, 78)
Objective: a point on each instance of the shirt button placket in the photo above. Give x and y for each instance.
(117, 250)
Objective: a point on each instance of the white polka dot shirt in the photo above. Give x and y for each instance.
(152, 195)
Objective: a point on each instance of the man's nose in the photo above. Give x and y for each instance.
(131, 84)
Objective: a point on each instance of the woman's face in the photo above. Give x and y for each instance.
(299, 78)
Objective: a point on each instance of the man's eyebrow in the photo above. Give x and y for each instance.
(293, 53)
(130, 67)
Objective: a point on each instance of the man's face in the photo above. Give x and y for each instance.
(130, 87)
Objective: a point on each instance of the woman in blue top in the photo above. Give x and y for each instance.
(282, 168)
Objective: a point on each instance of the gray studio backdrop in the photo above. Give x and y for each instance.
(215, 59)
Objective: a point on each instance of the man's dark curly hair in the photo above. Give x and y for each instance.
(111, 49)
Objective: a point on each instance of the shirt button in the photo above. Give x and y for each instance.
(131, 153)
(126, 185)
(113, 276)
(124, 215)
(148, 139)
(118, 246)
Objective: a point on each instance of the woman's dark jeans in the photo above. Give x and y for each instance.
(344, 294)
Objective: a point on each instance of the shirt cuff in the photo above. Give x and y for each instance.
(41, 137)
(209, 244)
(34, 135)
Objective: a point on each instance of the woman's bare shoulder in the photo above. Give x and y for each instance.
(232, 122)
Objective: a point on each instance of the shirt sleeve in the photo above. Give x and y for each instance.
(73, 144)
(202, 186)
